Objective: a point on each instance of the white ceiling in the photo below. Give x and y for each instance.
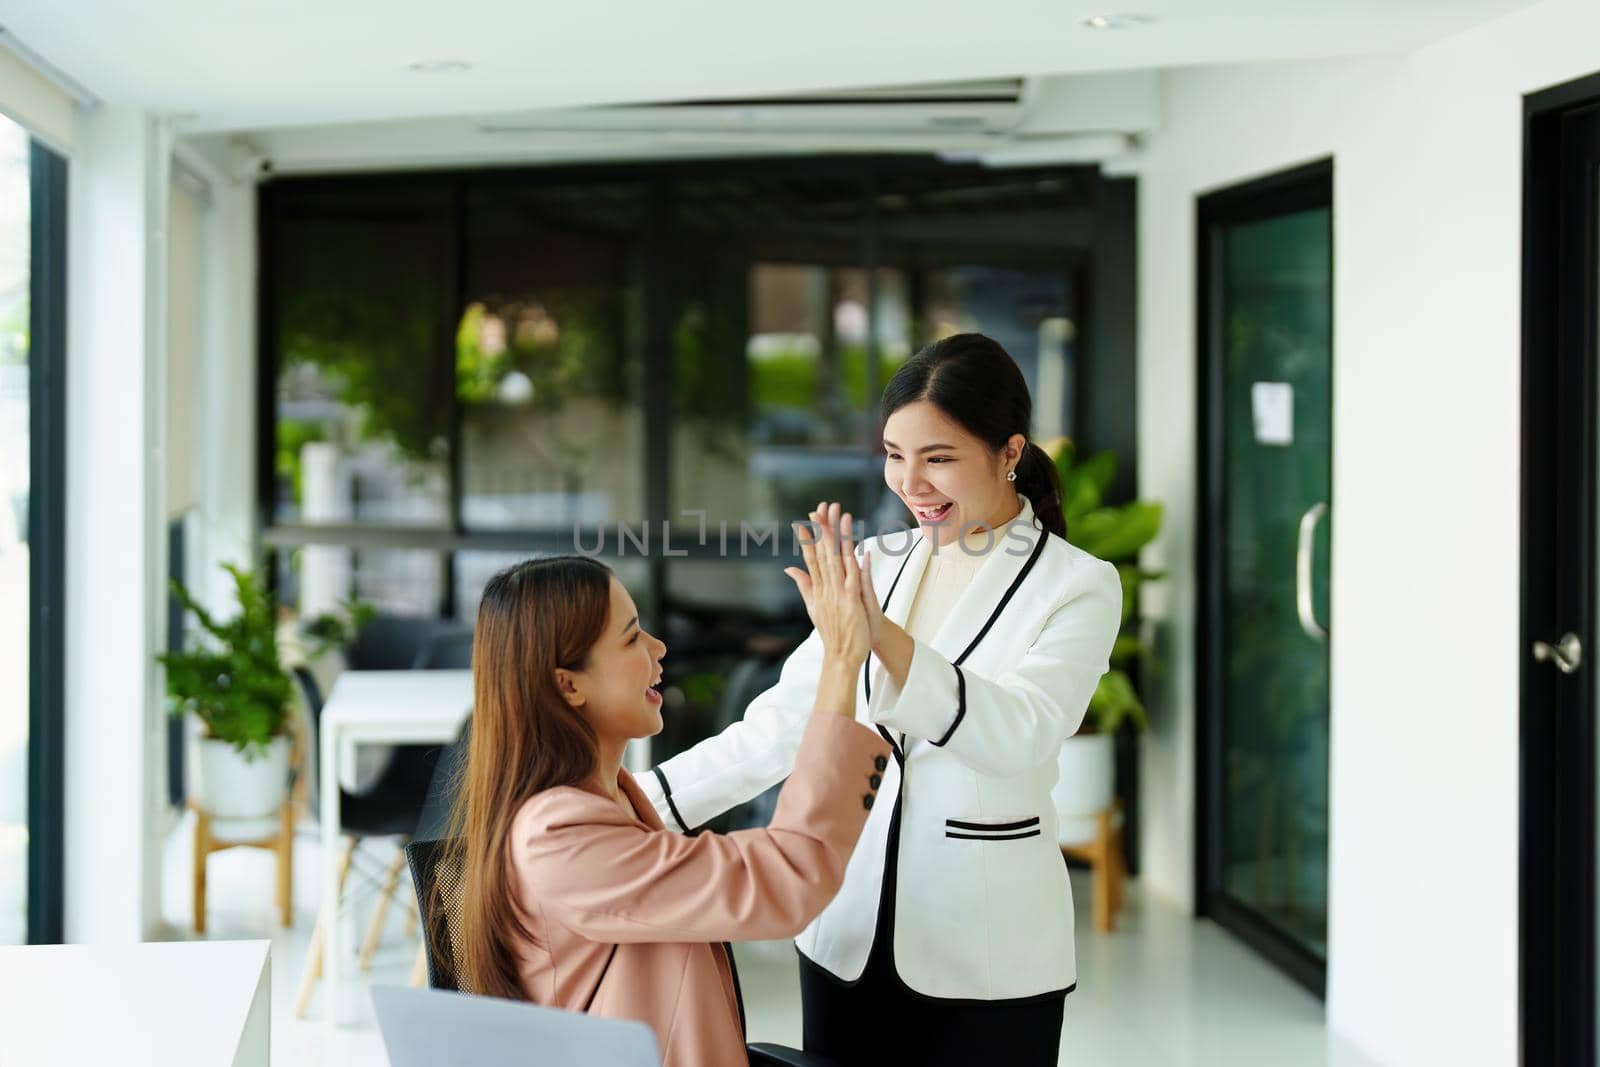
(254, 64)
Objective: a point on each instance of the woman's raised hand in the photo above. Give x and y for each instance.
(831, 584)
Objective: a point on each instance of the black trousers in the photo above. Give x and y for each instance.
(879, 1020)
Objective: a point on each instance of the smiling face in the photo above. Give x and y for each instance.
(951, 480)
(614, 689)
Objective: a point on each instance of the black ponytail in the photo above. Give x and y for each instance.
(974, 381)
(1040, 482)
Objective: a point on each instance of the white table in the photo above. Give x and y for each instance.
(173, 1004)
(374, 707)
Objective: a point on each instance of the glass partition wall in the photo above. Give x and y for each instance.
(663, 365)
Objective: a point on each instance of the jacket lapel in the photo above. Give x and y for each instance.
(996, 581)
(978, 608)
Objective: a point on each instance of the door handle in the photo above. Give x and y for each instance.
(1302, 572)
(1566, 654)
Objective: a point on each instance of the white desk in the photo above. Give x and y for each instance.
(172, 1004)
(374, 707)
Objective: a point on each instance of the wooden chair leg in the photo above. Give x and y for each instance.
(380, 912)
(1102, 874)
(313, 968)
(419, 969)
(1119, 872)
(202, 849)
(286, 865)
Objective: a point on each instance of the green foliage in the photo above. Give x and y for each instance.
(376, 353)
(362, 296)
(566, 346)
(1115, 534)
(1115, 702)
(292, 435)
(703, 687)
(234, 681)
(789, 379)
(336, 629)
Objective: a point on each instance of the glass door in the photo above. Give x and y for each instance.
(1266, 291)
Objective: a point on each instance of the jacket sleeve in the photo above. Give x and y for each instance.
(1019, 719)
(745, 759)
(609, 878)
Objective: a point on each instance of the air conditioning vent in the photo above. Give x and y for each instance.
(960, 107)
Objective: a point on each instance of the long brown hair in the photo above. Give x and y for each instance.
(534, 617)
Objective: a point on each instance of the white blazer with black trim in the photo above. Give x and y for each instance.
(982, 908)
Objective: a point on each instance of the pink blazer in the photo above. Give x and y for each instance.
(627, 916)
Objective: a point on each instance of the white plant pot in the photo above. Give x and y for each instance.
(1086, 783)
(224, 784)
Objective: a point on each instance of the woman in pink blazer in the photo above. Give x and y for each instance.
(576, 896)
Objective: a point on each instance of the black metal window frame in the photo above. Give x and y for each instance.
(1299, 189)
(47, 546)
(657, 236)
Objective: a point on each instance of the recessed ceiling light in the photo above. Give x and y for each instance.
(1116, 22)
(440, 66)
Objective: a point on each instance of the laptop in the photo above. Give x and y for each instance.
(434, 1028)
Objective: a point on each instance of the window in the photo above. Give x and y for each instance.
(472, 368)
(15, 478)
(32, 423)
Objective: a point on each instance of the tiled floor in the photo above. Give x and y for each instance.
(1164, 991)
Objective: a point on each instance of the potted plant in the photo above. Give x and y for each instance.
(235, 684)
(1115, 534)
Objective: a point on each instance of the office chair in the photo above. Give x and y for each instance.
(447, 651)
(389, 809)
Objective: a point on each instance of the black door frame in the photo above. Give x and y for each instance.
(1299, 189)
(1556, 988)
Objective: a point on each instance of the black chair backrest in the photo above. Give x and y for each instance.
(440, 883)
(445, 786)
(313, 693)
(393, 642)
(391, 805)
(446, 651)
(313, 697)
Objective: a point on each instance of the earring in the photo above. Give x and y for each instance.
(1011, 476)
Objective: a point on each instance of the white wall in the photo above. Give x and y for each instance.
(117, 813)
(115, 517)
(1427, 155)
(225, 417)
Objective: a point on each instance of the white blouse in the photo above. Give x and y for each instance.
(950, 570)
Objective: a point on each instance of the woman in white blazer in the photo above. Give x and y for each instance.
(951, 940)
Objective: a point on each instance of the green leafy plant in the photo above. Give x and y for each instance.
(1114, 533)
(233, 680)
(335, 629)
(293, 435)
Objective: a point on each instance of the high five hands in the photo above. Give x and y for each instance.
(836, 587)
